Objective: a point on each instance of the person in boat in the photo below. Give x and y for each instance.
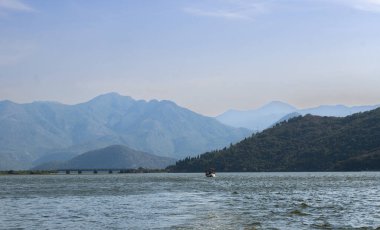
(209, 172)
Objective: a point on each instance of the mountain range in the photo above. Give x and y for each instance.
(304, 143)
(111, 157)
(269, 114)
(38, 132)
(35, 133)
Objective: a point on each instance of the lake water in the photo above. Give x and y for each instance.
(191, 201)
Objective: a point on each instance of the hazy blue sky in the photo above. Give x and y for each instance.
(206, 55)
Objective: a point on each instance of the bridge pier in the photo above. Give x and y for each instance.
(94, 171)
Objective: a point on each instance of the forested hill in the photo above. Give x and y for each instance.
(308, 143)
(111, 157)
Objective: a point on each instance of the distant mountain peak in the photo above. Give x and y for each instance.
(109, 99)
(168, 102)
(111, 95)
(8, 102)
(117, 147)
(278, 105)
(153, 101)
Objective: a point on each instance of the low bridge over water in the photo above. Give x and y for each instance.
(96, 171)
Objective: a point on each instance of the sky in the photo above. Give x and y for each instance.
(205, 55)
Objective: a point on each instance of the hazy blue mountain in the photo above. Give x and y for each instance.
(41, 131)
(257, 119)
(336, 110)
(288, 117)
(111, 157)
(55, 157)
(274, 112)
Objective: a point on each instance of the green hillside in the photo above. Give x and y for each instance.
(308, 143)
(111, 157)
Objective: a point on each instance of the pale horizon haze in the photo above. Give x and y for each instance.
(205, 55)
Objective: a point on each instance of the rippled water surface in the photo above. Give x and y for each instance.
(191, 201)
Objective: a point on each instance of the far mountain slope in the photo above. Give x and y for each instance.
(257, 119)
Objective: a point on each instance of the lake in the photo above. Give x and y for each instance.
(191, 201)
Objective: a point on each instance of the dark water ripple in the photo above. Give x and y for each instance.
(191, 201)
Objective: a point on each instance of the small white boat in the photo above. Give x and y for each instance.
(210, 173)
